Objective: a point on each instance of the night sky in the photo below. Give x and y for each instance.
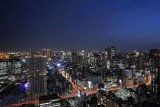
(81, 24)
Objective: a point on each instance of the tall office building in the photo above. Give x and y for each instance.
(81, 58)
(106, 53)
(37, 81)
(111, 52)
(75, 56)
(140, 61)
(154, 55)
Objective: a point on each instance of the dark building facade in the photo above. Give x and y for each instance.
(36, 67)
(140, 61)
(154, 55)
(74, 56)
(111, 52)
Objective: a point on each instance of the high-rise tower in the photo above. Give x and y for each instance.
(154, 55)
(37, 84)
(111, 52)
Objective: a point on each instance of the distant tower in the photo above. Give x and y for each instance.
(140, 61)
(106, 53)
(36, 77)
(111, 52)
(75, 56)
(89, 57)
(154, 55)
(81, 58)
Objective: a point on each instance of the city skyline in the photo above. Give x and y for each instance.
(82, 24)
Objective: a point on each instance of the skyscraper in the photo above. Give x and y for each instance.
(140, 61)
(154, 55)
(81, 58)
(75, 56)
(111, 52)
(36, 67)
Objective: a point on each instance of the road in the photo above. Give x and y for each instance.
(74, 93)
(76, 88)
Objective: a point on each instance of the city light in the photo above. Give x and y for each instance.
(24, 60)
(26, 85)
(79, 93)
(85, 67)
(58, 64)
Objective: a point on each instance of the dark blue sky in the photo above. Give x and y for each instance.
(82, 24)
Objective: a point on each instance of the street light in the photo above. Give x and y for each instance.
(120, 81)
